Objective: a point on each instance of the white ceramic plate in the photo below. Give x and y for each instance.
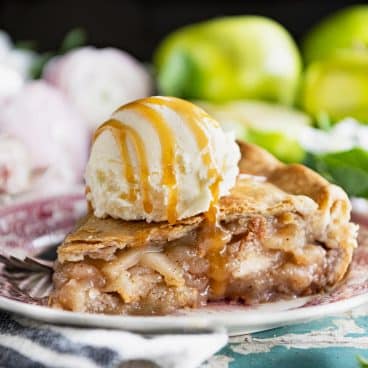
(35, 227)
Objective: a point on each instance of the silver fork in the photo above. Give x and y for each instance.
(31, 276)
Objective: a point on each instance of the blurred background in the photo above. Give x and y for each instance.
(288, 75)
(137, 25)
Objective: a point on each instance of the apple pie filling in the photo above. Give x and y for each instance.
(257, 259)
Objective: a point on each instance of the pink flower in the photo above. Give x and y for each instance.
(98, 81)
(55, 136)
(15, 168)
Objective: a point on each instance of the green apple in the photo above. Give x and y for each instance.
(258, 115)
(229, 58)
(345, 29)
(271, 126)
(338, 87)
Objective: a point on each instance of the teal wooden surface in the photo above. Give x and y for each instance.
(333, 342)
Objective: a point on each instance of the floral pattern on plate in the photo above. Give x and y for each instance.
(26, 229)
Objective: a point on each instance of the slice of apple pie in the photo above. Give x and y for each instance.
(284, 231)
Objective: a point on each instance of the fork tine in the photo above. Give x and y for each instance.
(16, 262)
(27, 282)
(10, 263)
(4, 260)
(15, 275)
(42, 288)
(30, 277)
(32, 264)
(39, 262)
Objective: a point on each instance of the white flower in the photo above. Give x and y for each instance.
(97, 81)
(18, 60)
(343, 136)
(5, 44)
(10, 81)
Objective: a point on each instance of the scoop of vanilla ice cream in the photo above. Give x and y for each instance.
(159, 159)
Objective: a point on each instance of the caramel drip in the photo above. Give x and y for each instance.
(121, 132)
(120, 138)
(129, 172)
(89, 204)
(213, 242)
(218, 260)
(168, 157)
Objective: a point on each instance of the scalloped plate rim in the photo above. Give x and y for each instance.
(235, 322)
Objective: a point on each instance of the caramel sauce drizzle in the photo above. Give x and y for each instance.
(121, 132)
(214, 238)
(194, 118)
(168, 157)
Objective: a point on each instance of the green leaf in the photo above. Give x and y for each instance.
(26, 45)
(39, 63)
(348, 169)
(323, 121)
(75, 38)
(363, 362)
